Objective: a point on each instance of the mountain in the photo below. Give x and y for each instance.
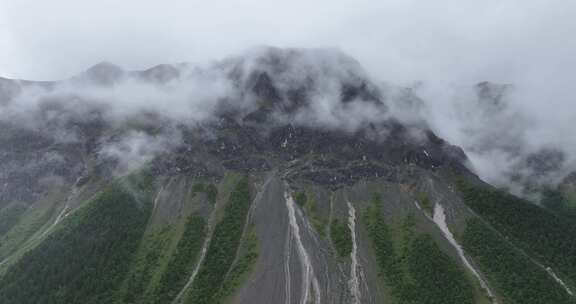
(277, 176)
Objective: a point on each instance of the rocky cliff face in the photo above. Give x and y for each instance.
(282, 106)
(296, 185)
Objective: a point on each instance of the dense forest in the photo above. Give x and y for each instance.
(103, 252)
(88, 256)
(558, 202)
(412, 265)
(241, 269)
(518, 279)
(548, 237)
(341, 237)
(223, 248)
(182, 262)
(146, 264)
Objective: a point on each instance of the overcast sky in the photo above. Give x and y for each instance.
(397, 40)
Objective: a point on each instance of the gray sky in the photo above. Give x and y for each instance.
(396, 40)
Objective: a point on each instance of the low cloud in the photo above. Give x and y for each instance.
(516, 135)
(511, 132)
(137, 114)
(135, 148)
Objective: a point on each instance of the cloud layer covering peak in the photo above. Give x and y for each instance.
(430, 56)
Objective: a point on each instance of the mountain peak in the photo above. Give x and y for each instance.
(292, 79)
(161, 73)
(104, 73)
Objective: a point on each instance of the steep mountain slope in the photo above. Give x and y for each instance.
(298, 185)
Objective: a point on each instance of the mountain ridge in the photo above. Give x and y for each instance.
(278, 178)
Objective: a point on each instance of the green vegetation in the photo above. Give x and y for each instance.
(182, 262)
(88, 256)
(139, 184)
(515, 276)
(241, 268)
(9, 216)
(145, 265)
(223, 247)
(300, 198)
(558, 202)
(198, 187)
(210, 190)
(164, 263)
(437, 279)
(380, 235)
(316, 219)
(412, 265)
(547, 237)
(31, 223)
(310, 207)
(341, 237)
(424, 201)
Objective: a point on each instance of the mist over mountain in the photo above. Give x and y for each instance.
(321, 88)
(186, 183)
(264, 88)
(513, 139)
(262, 152)
(524, 46)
